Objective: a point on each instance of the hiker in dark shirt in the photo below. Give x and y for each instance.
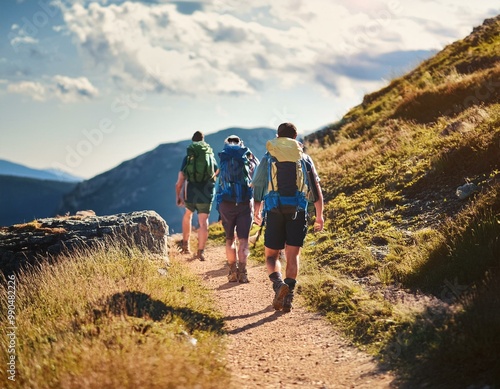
(195, 190)
(235, 203)
(285, 181)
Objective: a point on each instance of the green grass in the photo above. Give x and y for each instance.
(404, 266)
(115, 318)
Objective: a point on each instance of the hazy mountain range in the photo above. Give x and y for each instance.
(27, 193)
(8, 168)
(144, 182)
(148, 181)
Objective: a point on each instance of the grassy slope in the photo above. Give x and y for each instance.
(405, 267)
(115, 318)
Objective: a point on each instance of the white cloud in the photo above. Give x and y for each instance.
(228, 47)
(27, 40)
(35, 90)
(65, 89)
(71, 90)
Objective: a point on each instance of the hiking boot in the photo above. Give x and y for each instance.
(201, 255)
(281, 290)
(185, 247)
(287, 302)
(242, 274)
(233, 273)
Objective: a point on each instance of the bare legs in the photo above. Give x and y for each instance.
(237, 263)
(202, 231)
(273, 263)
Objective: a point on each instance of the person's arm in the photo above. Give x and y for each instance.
(318, 204)
(216, 168)
(179, 185)
(178, 189)
(259, 184)
(318, 195)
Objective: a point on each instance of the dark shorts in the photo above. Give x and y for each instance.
(285, 228)
(200, 192)
(236, 216)
(199, 207)
(199, 196)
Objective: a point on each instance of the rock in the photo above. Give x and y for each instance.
(466, 190)
(30, 243)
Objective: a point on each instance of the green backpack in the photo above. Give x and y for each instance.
(200, 163)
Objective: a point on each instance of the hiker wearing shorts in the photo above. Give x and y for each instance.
(284, 183)
(195, 191)
(235, 204)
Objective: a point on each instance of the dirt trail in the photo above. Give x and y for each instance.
(269, 349)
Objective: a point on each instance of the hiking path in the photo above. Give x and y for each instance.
(270, 349)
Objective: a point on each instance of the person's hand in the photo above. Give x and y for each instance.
(318, 224)
(180, 202)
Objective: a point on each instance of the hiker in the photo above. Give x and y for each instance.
(284, 182)
(195, 190)
(234, 199)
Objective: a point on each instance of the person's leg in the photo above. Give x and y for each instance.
(202, 234)
(244, 219)
(186, 230)
(292, 254)
(228, 223)
(274, 241)
(296, 232)
(292, 261)
(280, 288)
(243, 252)
(273, 263)
(231, 260)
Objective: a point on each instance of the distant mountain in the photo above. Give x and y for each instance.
(148, 181)
(23, 199)
(8, 168)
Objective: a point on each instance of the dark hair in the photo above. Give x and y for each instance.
(198, 136)
(287, 130)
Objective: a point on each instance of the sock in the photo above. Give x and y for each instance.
(276, 277)
(291, 283)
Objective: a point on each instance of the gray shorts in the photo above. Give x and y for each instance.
(236, 216)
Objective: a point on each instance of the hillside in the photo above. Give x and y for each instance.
(148, 181)
(24, 199)
(409, 263)
(8, 168)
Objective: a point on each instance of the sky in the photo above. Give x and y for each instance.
(86, 85)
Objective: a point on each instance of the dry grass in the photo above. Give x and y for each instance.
(115, 318)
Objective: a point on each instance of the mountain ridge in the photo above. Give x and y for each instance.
(8, 168)
(148, 180)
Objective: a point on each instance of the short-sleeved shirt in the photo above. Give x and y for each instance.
(199, 192)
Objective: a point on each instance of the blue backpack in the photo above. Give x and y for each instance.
(235, 167)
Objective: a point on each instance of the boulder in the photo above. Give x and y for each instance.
(42, 239)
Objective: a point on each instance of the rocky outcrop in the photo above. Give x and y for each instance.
(27, 244)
